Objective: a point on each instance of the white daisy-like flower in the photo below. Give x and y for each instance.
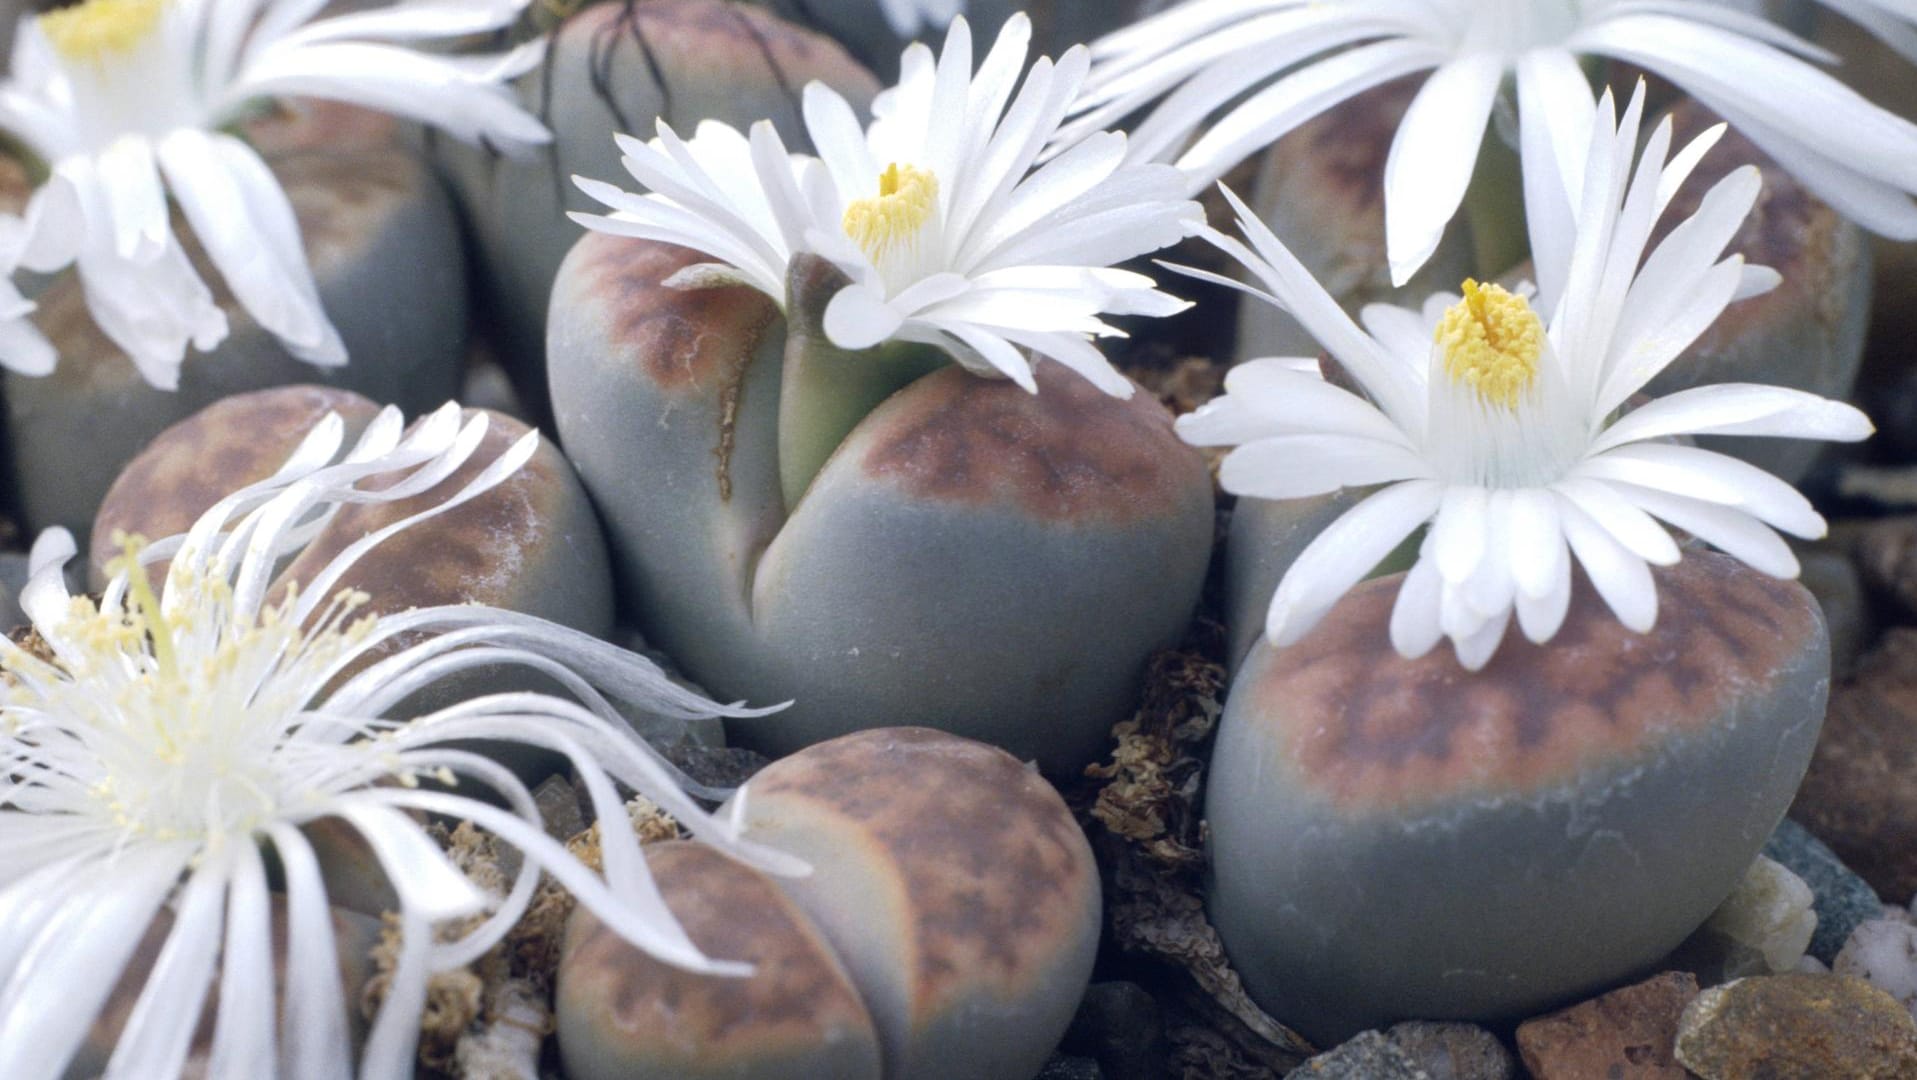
(1301, 57)
(949, 237)
(166, 742)
(1506, 433)
(127, 100)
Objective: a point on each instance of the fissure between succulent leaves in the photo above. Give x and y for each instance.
(825, 391)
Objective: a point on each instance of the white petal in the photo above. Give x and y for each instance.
(1344, 553)
(1433, 155)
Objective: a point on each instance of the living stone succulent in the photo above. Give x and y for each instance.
(946, 931)
(612, 66)
(1396, 838)
(623, 1014)
(530, 545)
(971, 557)
(384, 245)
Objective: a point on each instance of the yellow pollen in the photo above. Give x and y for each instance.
(907, 197)
(1492, 340)
(98, 28)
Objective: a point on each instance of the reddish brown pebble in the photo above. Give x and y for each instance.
(1628, 1034)
(623, 1014)
(1859, 796)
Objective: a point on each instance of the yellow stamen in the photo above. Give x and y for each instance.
(1492, 340)
(907, 197)
(98, 28)
(144, 600)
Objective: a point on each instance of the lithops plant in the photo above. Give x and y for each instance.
(622, 65)
(924, 496)
(955, 886)
(385, 248)
(623, 1014)
(1396, 838)
(971, 557)
(1320, 190)
(530, 544)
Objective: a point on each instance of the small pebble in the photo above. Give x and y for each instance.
(1369, 1056)
(1762, 928)
(1883, 953)
(1626, 1034)
(1453, 1051)
(1842, 899)
(1794, 1026)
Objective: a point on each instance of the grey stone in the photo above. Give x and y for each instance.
(1367, 1056)
(1453, 1051)
(1843, 900)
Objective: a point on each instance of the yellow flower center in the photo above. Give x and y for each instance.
(1492, 340)
(98, 28)
(190, 718)
(907, 197)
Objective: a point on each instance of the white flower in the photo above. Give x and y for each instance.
(1301, 57)
(950, 239)
(126, 100)
(908, 16)
(22, 347)
(1504, 432)
(172, 738)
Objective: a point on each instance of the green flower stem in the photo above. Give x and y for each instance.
(825, 390)
(1494, 204)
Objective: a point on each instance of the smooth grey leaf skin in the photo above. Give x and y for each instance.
(973, 558)
(619, 67)
(1398, 838)
(955, 886)
(623, 1014)
(1809, 332)
(385, 249)
(1321, 190)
